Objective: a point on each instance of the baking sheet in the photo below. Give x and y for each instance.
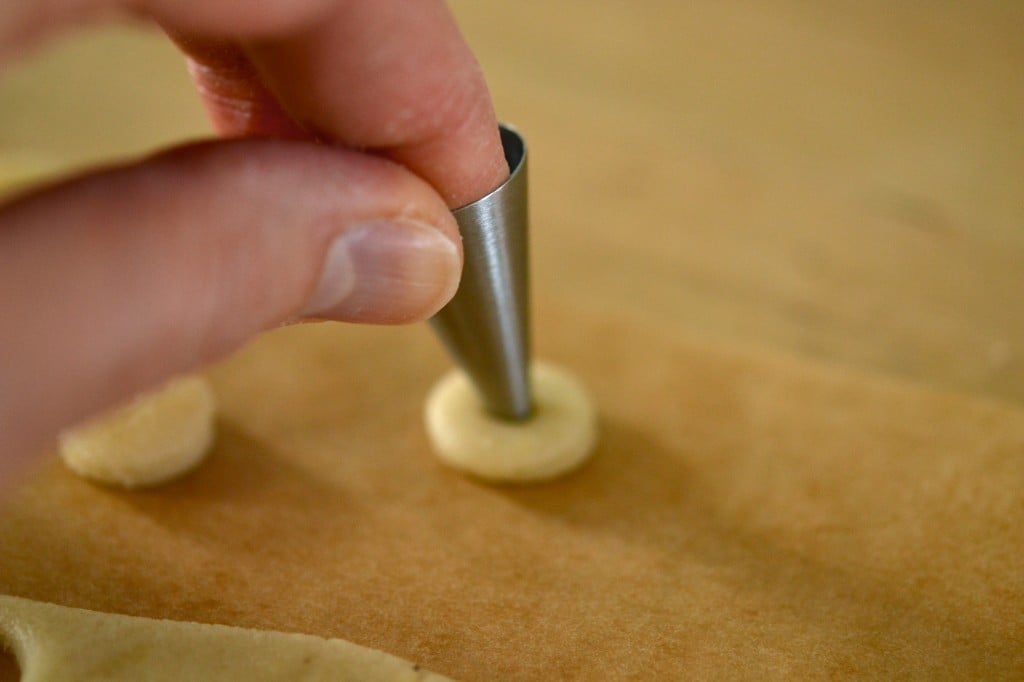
(746, 514)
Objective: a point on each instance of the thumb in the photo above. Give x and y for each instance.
(118, 280)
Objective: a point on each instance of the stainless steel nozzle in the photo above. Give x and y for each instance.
(485, 327)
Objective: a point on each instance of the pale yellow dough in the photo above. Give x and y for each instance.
(155, 438)
(555, 440)
(57, 643)
(22, 168)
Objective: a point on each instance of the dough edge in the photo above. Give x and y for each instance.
(55, 643)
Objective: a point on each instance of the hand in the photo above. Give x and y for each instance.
(364, 122)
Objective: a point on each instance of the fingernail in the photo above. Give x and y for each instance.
(386, 272)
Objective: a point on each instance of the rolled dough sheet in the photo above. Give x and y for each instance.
(55, 643)
(744, 515)
(20, 169)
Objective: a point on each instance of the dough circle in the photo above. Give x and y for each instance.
(555, 440)
(157, 437)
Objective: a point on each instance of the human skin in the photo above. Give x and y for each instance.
(348, 130)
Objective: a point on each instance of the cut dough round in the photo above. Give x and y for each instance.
(156, 437)
(555, 440)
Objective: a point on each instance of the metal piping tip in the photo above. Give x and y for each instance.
(485, 327)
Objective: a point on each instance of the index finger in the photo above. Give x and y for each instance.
(389, 76)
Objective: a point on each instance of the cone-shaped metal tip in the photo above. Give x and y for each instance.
(485, 327)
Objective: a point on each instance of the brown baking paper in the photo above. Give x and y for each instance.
(745, 515)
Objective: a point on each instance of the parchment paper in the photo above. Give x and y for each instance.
(745, 516)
